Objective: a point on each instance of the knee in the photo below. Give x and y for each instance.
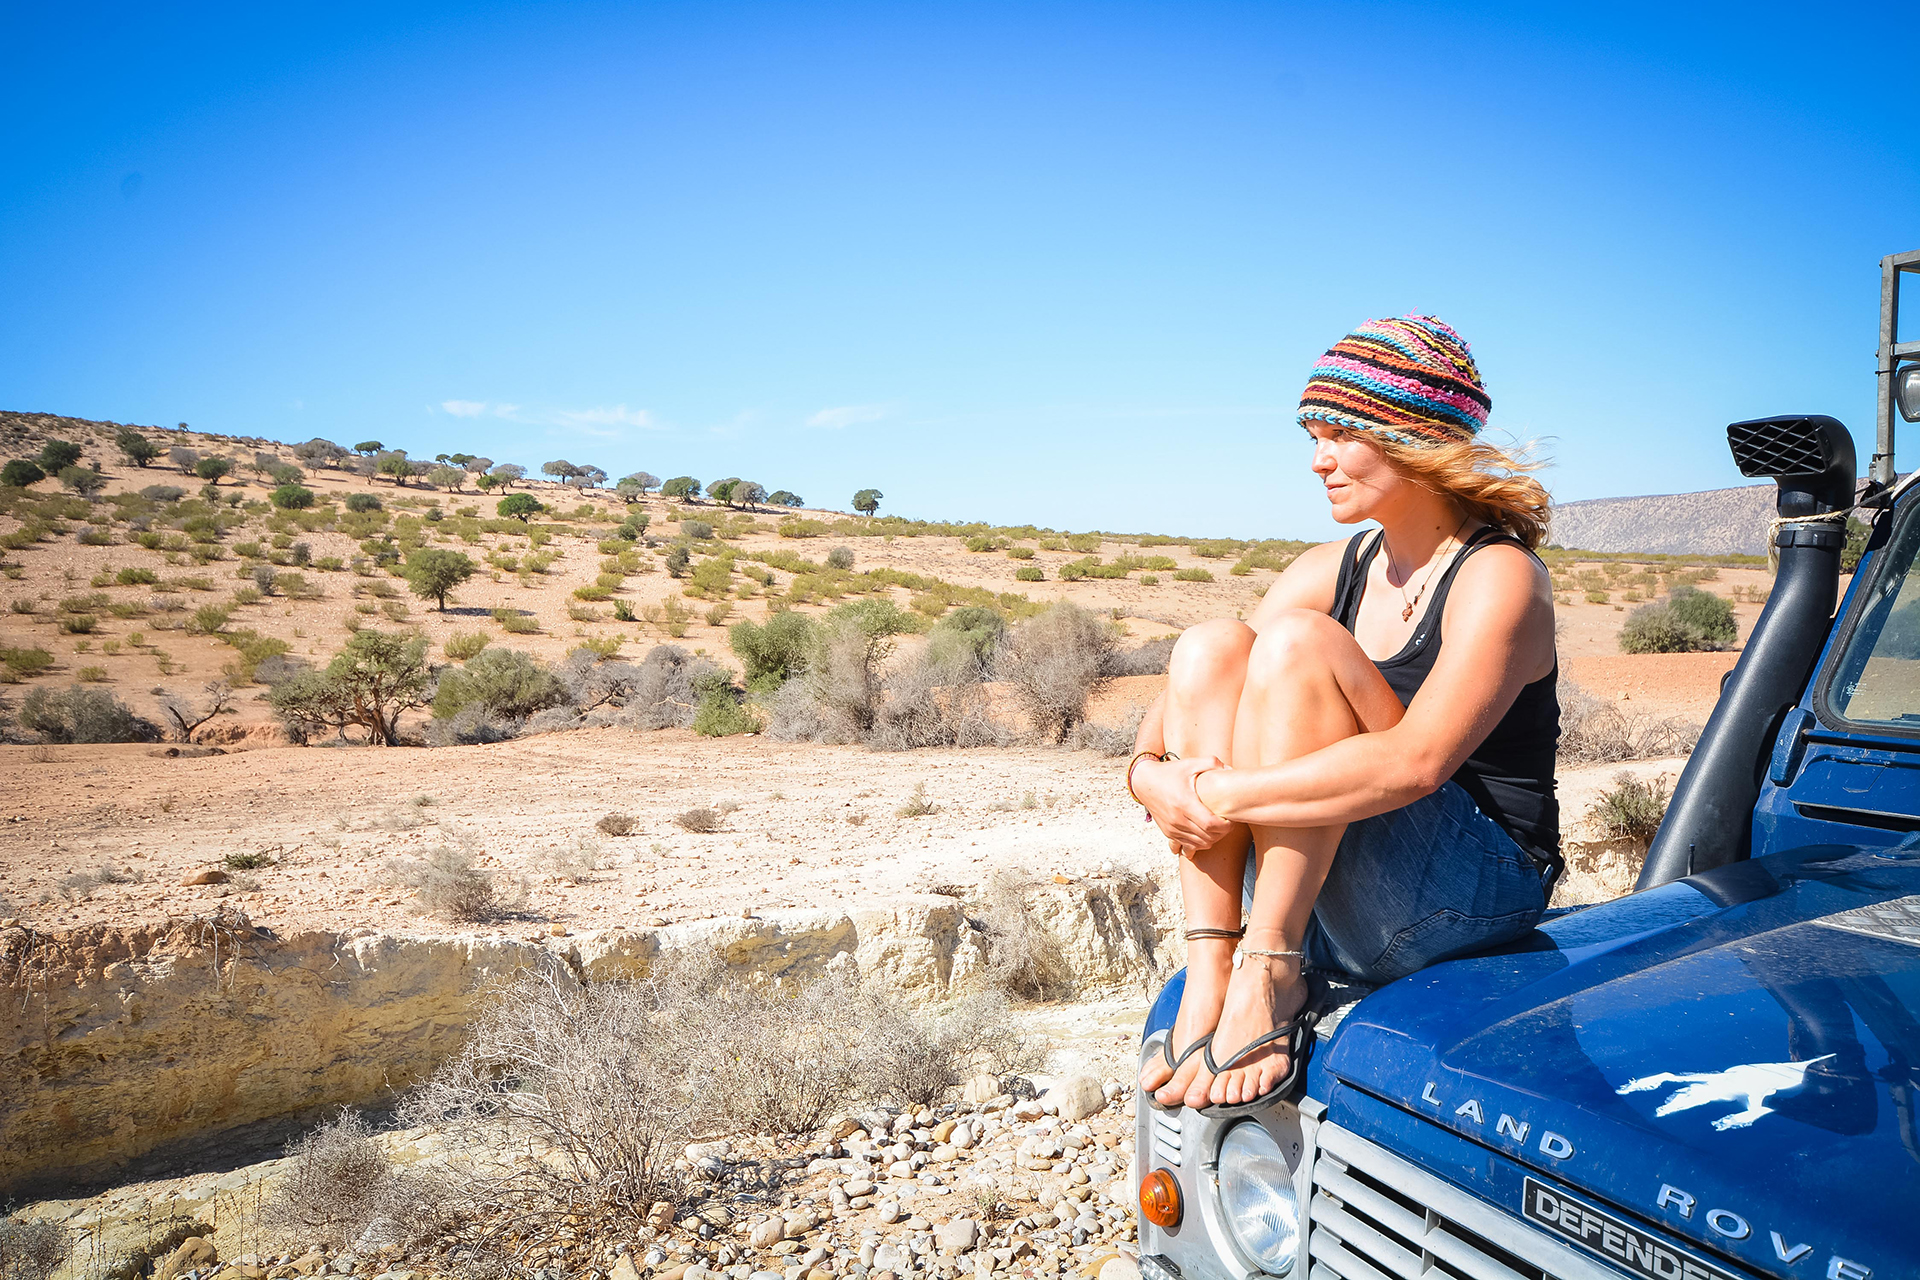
(1208, 652)
(1289, 647)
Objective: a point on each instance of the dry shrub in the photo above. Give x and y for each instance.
(1149, 659)
(700, 821)
(617, 824)
(1054, 662)
(32, 1248)
(936, 700)
(1023, 960)
(1595, 731)
(917, 804)
(446, 883)
(1114, 739)
(342, 1189)
(576, 861)
(664, 693)
(595, 1079)
(914, 1061)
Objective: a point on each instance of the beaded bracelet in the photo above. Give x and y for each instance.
(1137, 758)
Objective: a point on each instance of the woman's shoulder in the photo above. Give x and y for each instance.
(1505, 559)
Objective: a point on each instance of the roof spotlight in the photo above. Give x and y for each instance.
(1906, 391)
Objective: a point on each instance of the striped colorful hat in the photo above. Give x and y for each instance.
(1411, 379)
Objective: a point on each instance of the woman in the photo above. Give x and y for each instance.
(1382, 730)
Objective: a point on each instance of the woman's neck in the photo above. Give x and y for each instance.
(1418, 531)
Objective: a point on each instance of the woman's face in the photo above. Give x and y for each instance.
(1358, 477)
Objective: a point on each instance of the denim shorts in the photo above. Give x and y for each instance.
(1419, 884)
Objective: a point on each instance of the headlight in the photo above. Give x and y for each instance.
(1906, 392)
(1256, 1196)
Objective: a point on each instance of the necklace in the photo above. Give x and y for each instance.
(1433, 566)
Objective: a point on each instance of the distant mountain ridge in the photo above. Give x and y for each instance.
(1709, 522)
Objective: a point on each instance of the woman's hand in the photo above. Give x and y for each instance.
(1165, 787)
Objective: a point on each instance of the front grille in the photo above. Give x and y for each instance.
(1374, 1216)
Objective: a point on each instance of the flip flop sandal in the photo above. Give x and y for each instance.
(1298, 1033)
(1173, 1066)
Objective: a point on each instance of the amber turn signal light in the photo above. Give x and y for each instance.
(1160, 1199)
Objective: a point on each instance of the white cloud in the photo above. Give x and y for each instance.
(464, 408)
(603, 416)
(505, 410)
(847, 415)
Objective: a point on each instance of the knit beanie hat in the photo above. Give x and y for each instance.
(1411, 379)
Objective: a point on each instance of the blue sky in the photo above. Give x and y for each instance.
(1047, 262)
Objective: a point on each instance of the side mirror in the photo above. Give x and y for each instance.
(1810, 456)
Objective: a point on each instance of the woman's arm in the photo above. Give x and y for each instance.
(1498, 637)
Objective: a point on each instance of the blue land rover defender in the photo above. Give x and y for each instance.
(1716, 1076)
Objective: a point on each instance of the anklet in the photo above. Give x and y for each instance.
(1240, 955)
(1215, 933)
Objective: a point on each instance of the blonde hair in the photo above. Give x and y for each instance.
(1490, 484)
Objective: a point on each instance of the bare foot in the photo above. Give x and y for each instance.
(1263, 993)
(1209, 961)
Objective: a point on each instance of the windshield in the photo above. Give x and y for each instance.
(1877, 681)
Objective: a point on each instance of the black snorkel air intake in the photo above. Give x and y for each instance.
(1710, 820)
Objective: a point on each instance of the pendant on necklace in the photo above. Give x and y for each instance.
(1406, 613)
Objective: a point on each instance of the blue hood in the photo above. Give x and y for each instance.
(1732, 1057)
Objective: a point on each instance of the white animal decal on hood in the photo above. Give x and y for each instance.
(1751, 1084)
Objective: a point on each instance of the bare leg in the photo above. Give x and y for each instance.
(1204, 680)
(1308, 684)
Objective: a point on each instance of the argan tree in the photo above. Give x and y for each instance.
(135, 447)
(395, 465)
(867, 501)
(368, 447)
(449, 478)
(374, 680)
(519, 506)
(84, 481)
(212, 469)
(434, 571)
(57, 455)
(685, 488)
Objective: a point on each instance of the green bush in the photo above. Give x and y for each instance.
(135, 576)
(840, 558)
(208, 619)
(697, 530)
(78, 624)
(56, 455)
(292, 497)
(515, 622)
(506, 682)
(721, 714)
(1705, 612)
(1030, 573)
(462, 645)
(1654, 628)
(1020, 553)
(1193, 575)
(775, 653)
(360, 503)
(20, 473)
(677, 558)
(21, 663)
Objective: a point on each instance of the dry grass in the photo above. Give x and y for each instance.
(1024, 961)
(1594, 731)
(31, 1248)
(617, 824)
(342, 1188)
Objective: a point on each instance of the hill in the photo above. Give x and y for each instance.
(1710, 522)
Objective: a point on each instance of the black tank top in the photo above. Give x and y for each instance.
(1510, 773)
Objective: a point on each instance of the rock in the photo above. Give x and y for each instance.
(943, 1132)
(699, 1151)
(193, 1252)
(892, 1257)
(890, 1212)
(660, 1216)
(1077, 1097)
(958, 1236)
(765, 1275)
(717, 1214)
(1118, 1268)
(1031, 1109)
(768, 1233)
(840, 1128)
(981, 1088)
(209, 875)
(800, 1222)
(1044, 1221)
(343, 1265)
(900, 1169)
(624, 1269)
(857, 1187)
(964, 1137)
